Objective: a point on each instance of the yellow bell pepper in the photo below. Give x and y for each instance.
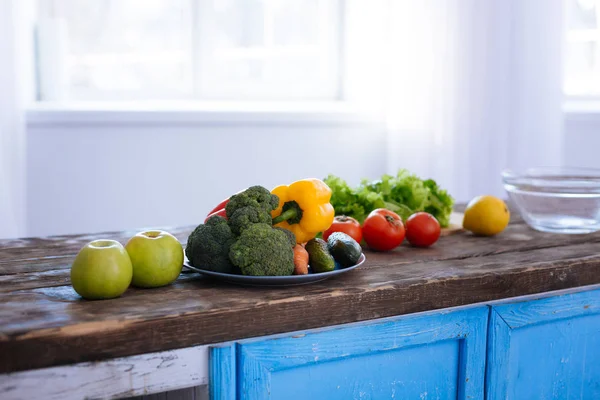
(304, 208)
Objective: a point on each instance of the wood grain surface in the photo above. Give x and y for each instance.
(115, 378)
(43, 322)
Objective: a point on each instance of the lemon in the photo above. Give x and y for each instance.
(486, 215)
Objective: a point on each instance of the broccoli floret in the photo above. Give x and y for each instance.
(208, 246)
(256, 196)
(243, 217)
(289, 234)
(252, 206)
(261, 250)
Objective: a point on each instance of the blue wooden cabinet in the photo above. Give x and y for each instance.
(429, 356)
(545, 349)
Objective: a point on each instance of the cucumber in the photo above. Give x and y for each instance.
(319, 258)
(345, 250)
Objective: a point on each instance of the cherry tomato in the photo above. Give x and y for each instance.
(422, 229)
(383, 230)
(348, 225)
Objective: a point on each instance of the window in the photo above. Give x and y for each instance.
(582, 69)
(188, 49)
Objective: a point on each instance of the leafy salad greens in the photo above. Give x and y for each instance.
(403, 194)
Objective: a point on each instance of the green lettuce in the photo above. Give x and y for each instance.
(404, 194)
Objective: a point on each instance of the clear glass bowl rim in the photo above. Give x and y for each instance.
(554, 172)
(554, 177)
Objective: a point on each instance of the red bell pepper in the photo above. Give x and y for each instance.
(220, 208)
(220, 212)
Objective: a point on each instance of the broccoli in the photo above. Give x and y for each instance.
(261, 250)
(252, 206)
(289, 234)
(244, 217)
(208, 246)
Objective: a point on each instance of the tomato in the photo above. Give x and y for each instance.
(383, 230)
(422, 229)
(348, 225)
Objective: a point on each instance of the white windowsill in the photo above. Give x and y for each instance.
(196, 113)
(582, 110)
(233, 113)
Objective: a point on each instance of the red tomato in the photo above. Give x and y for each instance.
(422, 229)
(348, 225)
(383, 230)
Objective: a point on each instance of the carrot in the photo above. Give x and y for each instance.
(300, 260)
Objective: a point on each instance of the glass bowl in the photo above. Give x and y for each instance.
(556, 199)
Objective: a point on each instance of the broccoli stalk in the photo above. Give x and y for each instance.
(208, 246)
(262, 250)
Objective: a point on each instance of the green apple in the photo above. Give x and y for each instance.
(157, 258)
(101, 270)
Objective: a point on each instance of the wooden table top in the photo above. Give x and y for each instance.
(43, 322)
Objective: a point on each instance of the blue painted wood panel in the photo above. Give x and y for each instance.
(545, 349)
(222, 372)
(437, 355)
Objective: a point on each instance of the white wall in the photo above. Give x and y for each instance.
(582, 140)
(115, 174)
(89, 178)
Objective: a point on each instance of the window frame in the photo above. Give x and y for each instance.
(53, 79)
(327, 89)
(580, 36)
(328, 114)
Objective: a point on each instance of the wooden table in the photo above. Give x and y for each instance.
(47, 331)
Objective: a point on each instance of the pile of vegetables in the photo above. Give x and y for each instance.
(384, 230)
(405, 194)
(384, 212)
(261, 233)
(274, 233)
(244, 240)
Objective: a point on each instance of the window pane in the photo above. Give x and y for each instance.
(296, 22)
(238, 23)
(582, 62)
(125, 48)
(269, 49)
(581, 14)
(202, 49)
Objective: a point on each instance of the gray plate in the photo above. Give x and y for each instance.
(291, 280)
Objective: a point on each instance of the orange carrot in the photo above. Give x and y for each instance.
(300, 260)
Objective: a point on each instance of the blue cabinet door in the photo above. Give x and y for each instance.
(432, 356)
(545, 349)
